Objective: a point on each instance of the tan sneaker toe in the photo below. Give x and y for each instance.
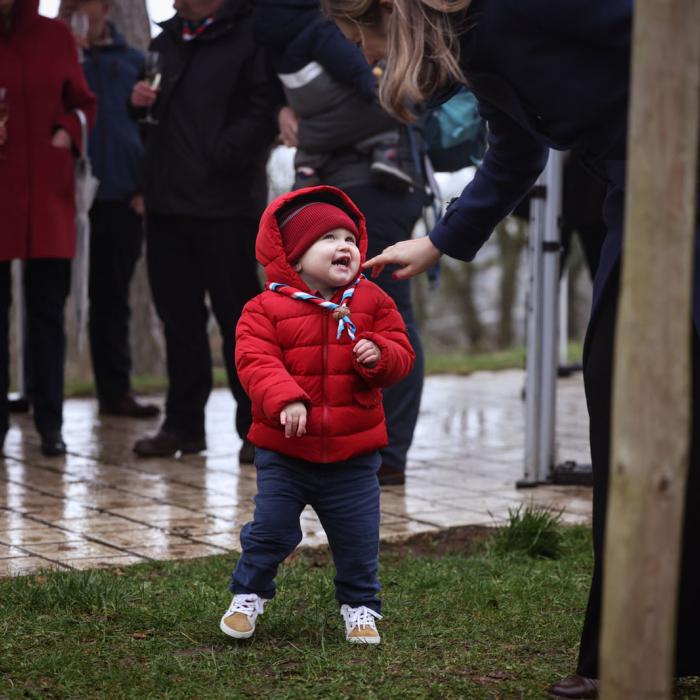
(363, 635)
(238, 622)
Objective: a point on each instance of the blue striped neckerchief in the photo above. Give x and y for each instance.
(341, 312)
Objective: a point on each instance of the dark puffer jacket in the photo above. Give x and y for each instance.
(206, 157)
(287, 350)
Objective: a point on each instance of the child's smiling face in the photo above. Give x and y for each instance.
(332, 261)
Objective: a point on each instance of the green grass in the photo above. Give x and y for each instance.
(461, 621)
(446, 363)
(466, 363)
(457, 624)
(532, 530)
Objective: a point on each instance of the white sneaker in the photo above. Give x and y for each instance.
(360, 627)
(239, 620)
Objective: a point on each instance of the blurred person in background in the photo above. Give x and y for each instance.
(391, 197)
(209, 122)
(41, 86)
(111, 68)
(514, 56)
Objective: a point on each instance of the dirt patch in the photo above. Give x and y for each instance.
(454, 540)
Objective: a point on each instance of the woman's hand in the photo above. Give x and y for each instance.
(61, 139)
(289, 127)
(367, 353)
(293, 418)
(143, 95)
(137, 204)
(413, 257)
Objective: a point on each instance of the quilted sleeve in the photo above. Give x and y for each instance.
(389, 334)
(260, 366)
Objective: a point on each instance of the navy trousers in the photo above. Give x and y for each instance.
(345, 496)
(598, 380)
(46, 286)
(189, 258)
(116, 240)
(391, 218)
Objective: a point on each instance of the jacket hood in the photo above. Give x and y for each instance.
(269, 249)
(24, 13)
(278, 22)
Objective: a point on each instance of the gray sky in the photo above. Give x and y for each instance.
(157, 9)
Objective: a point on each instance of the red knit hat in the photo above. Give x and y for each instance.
(303, 226)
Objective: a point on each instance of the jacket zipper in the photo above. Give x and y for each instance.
(324, 387)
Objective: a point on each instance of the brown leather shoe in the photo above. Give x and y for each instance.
(391, 476)
(128, 407)
(166, 444)
(575, 686)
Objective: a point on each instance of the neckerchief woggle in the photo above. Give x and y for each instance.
(341, 312)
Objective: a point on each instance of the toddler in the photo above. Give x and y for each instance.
(313, 352)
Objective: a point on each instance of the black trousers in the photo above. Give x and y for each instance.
(187, 258)
(390, 218)
(116, 239)
(46, 286)
(598, 382)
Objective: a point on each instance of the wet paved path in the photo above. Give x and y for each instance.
(102, 506)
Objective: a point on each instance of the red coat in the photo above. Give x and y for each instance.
(39, 67)
(286, 350)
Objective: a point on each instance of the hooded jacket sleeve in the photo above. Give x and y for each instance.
(259, 364)
(388, 333)
(512, 163)
(342, 59)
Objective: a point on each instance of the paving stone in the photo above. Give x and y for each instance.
(102, 506)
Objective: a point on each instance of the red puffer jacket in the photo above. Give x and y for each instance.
(286, 350)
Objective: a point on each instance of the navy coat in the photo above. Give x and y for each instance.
(115, 145)
(546, 74)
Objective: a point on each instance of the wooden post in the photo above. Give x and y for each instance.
(651, 405)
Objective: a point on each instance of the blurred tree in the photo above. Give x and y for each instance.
(511, 237)
(131, 19)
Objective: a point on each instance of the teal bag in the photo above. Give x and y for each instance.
(459, 120)
(455, 133)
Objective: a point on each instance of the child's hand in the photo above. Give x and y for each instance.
(293, 418)
(367, 353)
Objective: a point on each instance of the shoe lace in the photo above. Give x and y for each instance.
(247, 603)
(361, 617)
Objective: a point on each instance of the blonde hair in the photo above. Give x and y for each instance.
(422, 46)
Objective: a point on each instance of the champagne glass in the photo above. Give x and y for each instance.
(4, 113)
(80, 26)
(153, 75)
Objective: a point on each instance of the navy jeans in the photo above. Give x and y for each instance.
(116, 240)
(345, 496)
